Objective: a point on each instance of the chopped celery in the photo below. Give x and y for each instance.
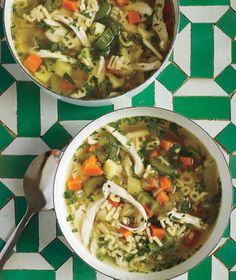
(103, 11)
(105, 39)
(93, 184)
(161, 168)
(133, 186)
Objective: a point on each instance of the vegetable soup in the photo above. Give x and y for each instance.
(142, 193)
(92, 49)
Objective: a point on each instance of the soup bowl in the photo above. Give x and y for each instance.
(112, 270)
(92, 102)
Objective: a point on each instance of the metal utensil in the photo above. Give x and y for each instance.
(38, 189)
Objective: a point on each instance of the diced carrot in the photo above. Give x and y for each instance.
(70, 5)
(165, 184)
(154, 153)
(93, 148)
(74, 184)
(199, 212)
(113, 203)
(166, 144)
(122, 2)
(125, 232)
(148, 210)
(150, 184)
(187, 162)
(33, 62)
(162, 197)
(91, 167)
(158, 232)
(134, 17)
(67, 86)
(192, 237)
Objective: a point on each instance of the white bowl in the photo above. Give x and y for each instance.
(89, 103)
(224, 211)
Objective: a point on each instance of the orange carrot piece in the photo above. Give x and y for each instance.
(165, 184)
(134, 17)
(125, 232)
(33, 62)
(122, 2)
(154, 153)
(70, 5)
(166, 144)
(113, 203)
(158, 232)
(186, 162)
(91, 167)
(93, 148)
(74, 184)
(148, 210)
(162, 197)
(67, 86)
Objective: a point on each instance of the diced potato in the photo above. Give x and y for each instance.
(133, 186)
(112, 169)
(62, 67)
(43, 76)
(55, 83)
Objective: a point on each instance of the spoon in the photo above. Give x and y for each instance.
(38, 189)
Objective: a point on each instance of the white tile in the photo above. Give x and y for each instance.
(73, 127)
(63, 240)
(234, 182)
(16, 71)
(181, 277)
(123, 103)
(233, 268)
(233, 111)
(233, 4)
(212, 127)
(163, 97)
(203, 14)
(47, 228)
(32, 261)
(14, 185)
(218, 270)
(7, 220)
(8, 108)
(200, 87)
(101, 276)
(26, 146)
(233, 225)
(222, 51)
(182, 49)
(48, 113)
(65, 271)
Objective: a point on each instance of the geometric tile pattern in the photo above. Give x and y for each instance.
(199, 81)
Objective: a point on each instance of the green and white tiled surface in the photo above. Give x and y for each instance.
(199, 82)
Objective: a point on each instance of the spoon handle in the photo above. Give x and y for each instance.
(11, 242)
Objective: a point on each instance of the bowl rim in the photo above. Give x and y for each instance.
(220, 224)
(92, 102)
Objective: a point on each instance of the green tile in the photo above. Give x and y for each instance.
(6, 55)
(6, 80)
(232, 275)
(68, 111)
(14, 166)
(2, 243)
(227, 79)
(29, 240)
(227, 231)
(172, 77)
(56, 137)
(204, 268)
(227, 253)
(58, 230)
(227, 23)
(234, 198)
(1, 24)
(227, 138)
(27, 275)
(56, 253)
(204, 2)
(28, 109)
(204, 107)
(5, 195)
(233, 52)
(5, 137)
(202, 50)
(232, 166)
(183, 22)
(146, 97)
(82, 271)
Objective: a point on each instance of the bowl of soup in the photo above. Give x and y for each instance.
(91, 52)
(142, 193)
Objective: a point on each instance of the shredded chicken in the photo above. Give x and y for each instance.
(55, 55)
